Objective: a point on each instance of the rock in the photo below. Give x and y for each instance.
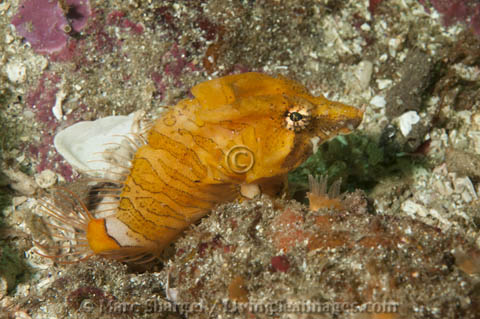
(21, 182)
(463, 163)
(407, 94)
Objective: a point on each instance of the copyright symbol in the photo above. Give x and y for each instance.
(87, 305)
(240, 159)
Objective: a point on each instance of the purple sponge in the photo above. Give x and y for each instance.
(45, 25)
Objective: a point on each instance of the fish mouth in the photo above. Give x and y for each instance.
(334, 118)
(351, 124)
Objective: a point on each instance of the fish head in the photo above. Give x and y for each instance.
(268, 122)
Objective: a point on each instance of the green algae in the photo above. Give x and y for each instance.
(360, 160)
(12, 262)
(12, 265)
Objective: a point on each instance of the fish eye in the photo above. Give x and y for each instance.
(297, 118)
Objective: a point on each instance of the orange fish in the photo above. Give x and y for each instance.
(239, 136)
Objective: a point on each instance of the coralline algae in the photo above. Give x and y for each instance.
(45, 24)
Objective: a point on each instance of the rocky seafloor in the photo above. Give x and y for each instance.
(405, 241)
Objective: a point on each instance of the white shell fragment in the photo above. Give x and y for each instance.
(363, 73)
(315, 143)
(406, 121)
(464, 186)
(57, 108)
(46, 179)
(416, 210)
(16, 72)
(358, 79)
(383, 83)
(250, 190)
(82, 144)
(378, 101)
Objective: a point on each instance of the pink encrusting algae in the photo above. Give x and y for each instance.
(46, 24)
(453, 11)
(40, 100)
(118, 18)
